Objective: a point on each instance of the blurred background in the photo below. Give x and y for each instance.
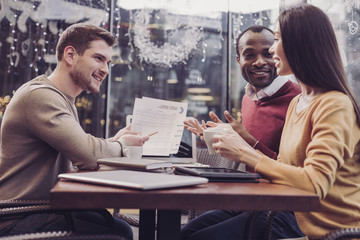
(167, 49)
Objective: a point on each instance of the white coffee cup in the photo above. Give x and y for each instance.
(135, 152)
(209, 134)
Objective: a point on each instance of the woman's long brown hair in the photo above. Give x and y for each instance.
(312, 50)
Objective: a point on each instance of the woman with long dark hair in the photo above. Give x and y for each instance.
(319, 150)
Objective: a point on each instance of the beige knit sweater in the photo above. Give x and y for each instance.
(40, 138)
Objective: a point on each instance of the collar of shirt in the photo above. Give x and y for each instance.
(266, 91)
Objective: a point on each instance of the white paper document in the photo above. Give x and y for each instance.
(165, 117)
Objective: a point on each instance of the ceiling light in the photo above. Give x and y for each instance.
(172, 81)
(202, 98)
(199, 90)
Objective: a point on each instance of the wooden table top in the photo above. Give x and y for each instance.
(232, 196)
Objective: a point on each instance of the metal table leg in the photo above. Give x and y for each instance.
(168, 224)
(147, 225)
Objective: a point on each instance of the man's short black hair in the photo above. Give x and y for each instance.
(256, 29)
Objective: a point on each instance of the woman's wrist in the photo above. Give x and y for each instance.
(250, 157)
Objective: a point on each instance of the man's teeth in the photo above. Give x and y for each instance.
(97, 78)
(259, 73)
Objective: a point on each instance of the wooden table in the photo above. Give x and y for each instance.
(169, 202)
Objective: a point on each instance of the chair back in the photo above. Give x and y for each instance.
(62, 236)
(214, 160)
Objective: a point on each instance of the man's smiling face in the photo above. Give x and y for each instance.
(92, 67)
(256, 63)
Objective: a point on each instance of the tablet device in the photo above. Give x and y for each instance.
(218, 174)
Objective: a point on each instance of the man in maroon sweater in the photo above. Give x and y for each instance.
(267, 95)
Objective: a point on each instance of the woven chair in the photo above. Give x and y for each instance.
(339, 234)
(13, 207)
(131, 220)
(268, 223)
(21, 207)
(62, 236)
(214, 160)
(9, 208)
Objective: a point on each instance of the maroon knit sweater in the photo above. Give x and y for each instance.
(264, 119)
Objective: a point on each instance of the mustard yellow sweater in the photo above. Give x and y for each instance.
(320, 152)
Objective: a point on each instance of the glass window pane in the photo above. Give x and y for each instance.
(172, 50)
(167, 49)
(344, 15)
(29, 33)
(244, 14)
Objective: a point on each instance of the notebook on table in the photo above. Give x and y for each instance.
(134, 179)
(135, 164)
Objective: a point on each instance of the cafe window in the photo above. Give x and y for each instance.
(172, 50)
(166, 49)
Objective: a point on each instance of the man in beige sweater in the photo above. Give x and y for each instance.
(41, 136)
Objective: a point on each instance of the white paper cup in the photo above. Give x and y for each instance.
(135, 152)
(209, 135)
(226, 127)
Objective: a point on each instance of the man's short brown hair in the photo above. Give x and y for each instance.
(80, 35)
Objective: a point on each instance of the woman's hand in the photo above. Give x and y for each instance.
(236, 125)
(232, 146)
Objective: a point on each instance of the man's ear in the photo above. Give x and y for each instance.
(70, 55)
(237, 58)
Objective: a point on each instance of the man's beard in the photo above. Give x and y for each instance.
(81, 81)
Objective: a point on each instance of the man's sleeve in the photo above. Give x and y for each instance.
(52, 120)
